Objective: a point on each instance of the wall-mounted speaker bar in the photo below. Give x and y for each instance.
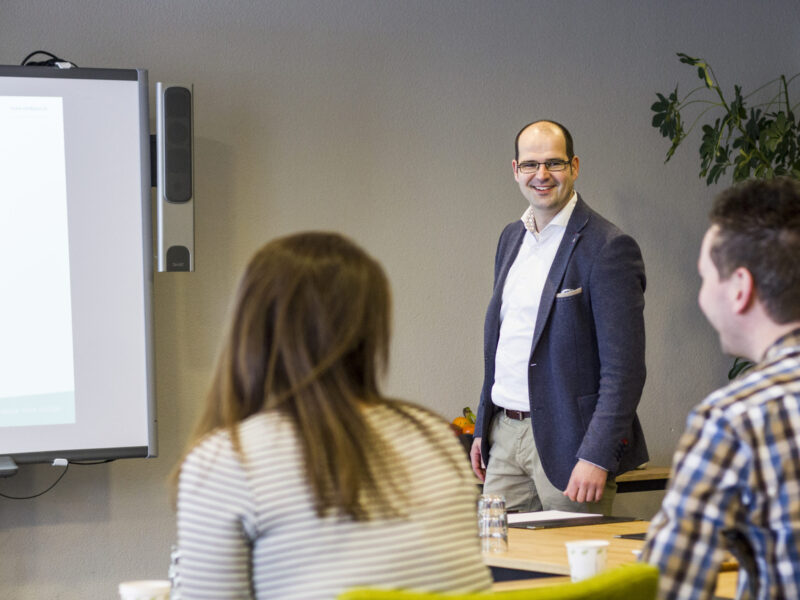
(175, 180)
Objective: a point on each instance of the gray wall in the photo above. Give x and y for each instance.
(392, 122)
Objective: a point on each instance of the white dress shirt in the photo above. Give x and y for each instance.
(521, 296)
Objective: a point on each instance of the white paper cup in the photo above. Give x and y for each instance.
(586, 558)
(146, 589)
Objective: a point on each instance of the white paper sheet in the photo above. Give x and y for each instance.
(547, 515)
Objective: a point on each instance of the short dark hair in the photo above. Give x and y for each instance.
(564, 131)
(759, 229)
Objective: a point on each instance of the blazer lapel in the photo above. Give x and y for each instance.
(578, 220)
(507, 261)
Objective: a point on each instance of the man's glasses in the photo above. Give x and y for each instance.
(531, 166)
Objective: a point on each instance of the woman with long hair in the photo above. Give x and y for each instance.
(301, 479)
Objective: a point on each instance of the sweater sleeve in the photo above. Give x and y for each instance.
(215, 523)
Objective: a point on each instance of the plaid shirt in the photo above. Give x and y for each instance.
(736, 486)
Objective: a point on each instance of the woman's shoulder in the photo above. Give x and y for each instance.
(265, 421)
(214, 443)
(411, 425)
(258, 429)
(398, 412)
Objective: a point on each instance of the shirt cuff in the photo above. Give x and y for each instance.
(591, 463)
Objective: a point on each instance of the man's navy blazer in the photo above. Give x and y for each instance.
(586, 369)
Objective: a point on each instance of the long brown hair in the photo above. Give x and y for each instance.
(310, 338)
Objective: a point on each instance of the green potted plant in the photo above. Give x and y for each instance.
(755, 135)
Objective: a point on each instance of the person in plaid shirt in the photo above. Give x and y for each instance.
(736, 473)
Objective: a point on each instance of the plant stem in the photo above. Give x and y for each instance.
(691, 127)
(785, 91)
(758, 89)
(697, 89)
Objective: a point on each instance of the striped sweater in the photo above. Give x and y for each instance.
(248, 529)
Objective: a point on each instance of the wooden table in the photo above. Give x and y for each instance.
(543, 551)
(643, 480)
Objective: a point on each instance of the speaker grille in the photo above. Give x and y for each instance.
(178, 144)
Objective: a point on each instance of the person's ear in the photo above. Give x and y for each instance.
(742, 290)
(575, 165)
(514, 167)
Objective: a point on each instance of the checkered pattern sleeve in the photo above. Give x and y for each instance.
(686, 537)
(736, 487)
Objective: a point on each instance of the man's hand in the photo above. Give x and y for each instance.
(478, 466)
(585, 484)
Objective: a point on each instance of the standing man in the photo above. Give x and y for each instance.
(736, 474)
(563, 344)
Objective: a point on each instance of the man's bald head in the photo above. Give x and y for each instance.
(547, 123)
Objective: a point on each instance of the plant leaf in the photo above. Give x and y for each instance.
(765, 143)
(702, 73)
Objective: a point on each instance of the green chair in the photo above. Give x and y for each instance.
(635, 581)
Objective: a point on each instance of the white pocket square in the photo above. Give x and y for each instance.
(567, 292)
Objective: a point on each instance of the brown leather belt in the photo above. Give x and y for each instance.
(517, 415)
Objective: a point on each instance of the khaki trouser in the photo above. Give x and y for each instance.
(516, 472)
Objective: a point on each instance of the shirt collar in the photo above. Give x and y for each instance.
(560, 220)
(785, 343)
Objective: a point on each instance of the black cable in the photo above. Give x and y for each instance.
(32, 54)
(50, 62)
(64, 472)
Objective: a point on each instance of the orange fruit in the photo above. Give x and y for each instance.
(468, 428)
(461, 422)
